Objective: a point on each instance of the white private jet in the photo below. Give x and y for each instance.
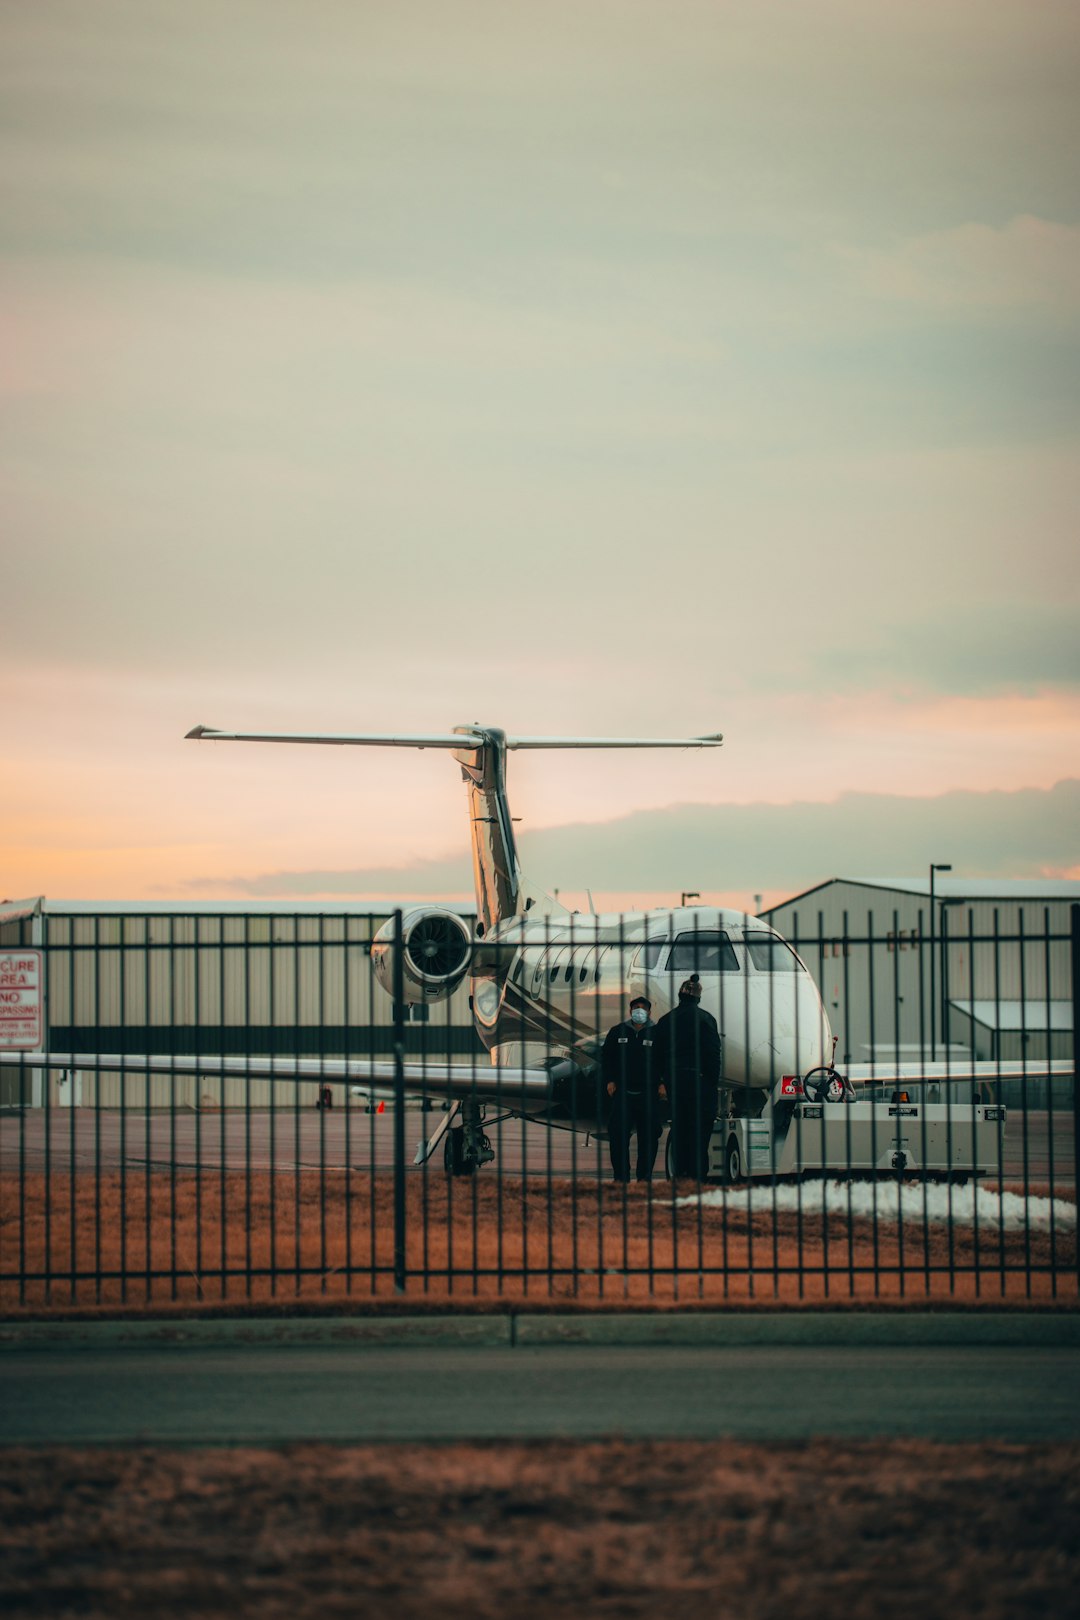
(548, 983)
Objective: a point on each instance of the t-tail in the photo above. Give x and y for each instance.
(502, 890)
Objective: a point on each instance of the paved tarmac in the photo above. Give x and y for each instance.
(1036, 1151)
(766, 1379)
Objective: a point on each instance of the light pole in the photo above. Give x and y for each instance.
(935, 866)
(689, 894)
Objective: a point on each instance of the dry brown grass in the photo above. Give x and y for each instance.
(197, 1241)
(785, 1532)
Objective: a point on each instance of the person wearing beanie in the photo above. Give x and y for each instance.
(634, 1095)
(688, 1065)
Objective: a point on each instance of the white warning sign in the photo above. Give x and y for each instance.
(20, 1000)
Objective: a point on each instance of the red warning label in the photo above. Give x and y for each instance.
(20, 999)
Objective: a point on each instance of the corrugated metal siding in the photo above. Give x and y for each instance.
(878, 989)
(226, 982)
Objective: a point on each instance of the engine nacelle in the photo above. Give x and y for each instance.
(436, 954)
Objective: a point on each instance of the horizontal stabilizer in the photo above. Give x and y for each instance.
(461, 739)
(712, 741)
(373, 739)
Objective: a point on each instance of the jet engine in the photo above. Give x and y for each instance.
(437, 947)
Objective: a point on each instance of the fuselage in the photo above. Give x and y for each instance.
(554, 987)
(547, 984)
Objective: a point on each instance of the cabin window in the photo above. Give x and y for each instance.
(569, 971)
(771, 954)
(583, 975)
(554, 972)
(703, 953)
(518, 965)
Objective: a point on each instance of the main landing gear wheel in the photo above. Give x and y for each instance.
(467, 1146)
(455, 1160)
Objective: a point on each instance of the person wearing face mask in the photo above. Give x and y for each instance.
(634, 1094)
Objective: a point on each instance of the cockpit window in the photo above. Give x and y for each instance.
(650, 952)
(703, 953)
(771, 954)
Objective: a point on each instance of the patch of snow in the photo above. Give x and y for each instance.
(910, 1202)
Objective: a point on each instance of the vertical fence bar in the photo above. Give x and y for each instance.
(271, 1018)
(445, 1019)
(172, 1112)
(998, 1092)
(545, 979)
(899, 1157)
(1047, 970)
(373, 1225)
(1021, 955)
(296, 1122)
(201, 935)
(326, 1093)
(575, 1098)
(123, 1099)
(223, 1094)
(347, 1051)
(147, 1095)
(47, 1087)
(845, 946)
(1074, 933)
(72, 1112)
(725, 1251)
(871, 942)
(399, 1103)
(826, 1057)
(247, 1106)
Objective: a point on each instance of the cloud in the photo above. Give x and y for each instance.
(578, 370)
(1026, 833)
(998, 647)
(976, 270)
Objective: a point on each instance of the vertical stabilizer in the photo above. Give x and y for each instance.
(501, 889)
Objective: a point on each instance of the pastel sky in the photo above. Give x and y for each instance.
(602, 367)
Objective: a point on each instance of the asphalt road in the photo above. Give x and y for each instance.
(272, 1394)
(307, 1138)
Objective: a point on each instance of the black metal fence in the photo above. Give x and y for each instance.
(234, 1106)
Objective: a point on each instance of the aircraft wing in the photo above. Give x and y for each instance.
(884, 1072)
(514, 1088)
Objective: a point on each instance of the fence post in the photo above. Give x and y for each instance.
(1075, 931)
(399, 1104)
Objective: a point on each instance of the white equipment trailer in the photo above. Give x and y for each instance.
(792, 1135)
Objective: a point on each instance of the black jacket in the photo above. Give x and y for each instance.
(688, 1045)
(629, 1058)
